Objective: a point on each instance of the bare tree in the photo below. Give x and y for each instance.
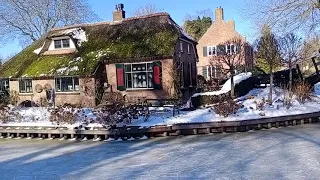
(229, 55)
(290, 46)
(267, 48)
(146, 10)
(310, 46)
(28, 20)
(285, 15)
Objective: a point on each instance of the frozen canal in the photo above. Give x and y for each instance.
(285, 153)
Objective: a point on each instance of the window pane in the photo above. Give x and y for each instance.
(150, 67)
(127, 68)
(139, 80)
(138, 67)
(22, 86)
(221, 50)
(76, 83)
(28, 86)
(57, 44)
(233, 50)
(66, 43)
(150, 80)
(209, 51)
(128, 80)
(58, 84)
(66, 84)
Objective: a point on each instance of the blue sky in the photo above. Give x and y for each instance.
(178, 9)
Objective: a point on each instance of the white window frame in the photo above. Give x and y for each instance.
(4, 84)
(229, 46)
(213, 71)
(61, 43)
(27, 86)
(142, 71)
(75, 87)
(181, 46)
(210, 50)
(189, 49)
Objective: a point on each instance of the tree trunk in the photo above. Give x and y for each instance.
(290, 79)
(232, 84)
(271, 86)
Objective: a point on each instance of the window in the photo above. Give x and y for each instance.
(181, 46)
(231, 49)
(211, 50)
(67, 84)
(190, 73)
(221, 50)
(25, 86)
(211, 72)
(188, 48)
(4, 84)
(61, 43)
(139, 76)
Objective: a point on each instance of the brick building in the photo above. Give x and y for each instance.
(219, 33)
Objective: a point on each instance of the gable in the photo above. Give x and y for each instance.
(219, 32)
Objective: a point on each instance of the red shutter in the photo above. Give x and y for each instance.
(157, 74)
(120, 77)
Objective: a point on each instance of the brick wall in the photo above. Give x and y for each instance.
(85, 99)
(132, 95)
(219, 32)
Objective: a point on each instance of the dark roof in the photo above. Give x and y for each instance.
(131, 39)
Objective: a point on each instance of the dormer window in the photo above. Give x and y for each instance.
(61, 43)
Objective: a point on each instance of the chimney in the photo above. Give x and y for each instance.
(219, 14)
(119, 14)
(231, 24)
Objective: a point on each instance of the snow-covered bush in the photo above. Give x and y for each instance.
(114, 114)
(260, 104)
(209, 99)
(302, 91)
(62, 115)
(227, 108)
(4, 114)
(287, 98)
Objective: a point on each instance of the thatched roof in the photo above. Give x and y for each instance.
(132, 39)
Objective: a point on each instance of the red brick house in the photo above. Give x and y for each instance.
(217, 35)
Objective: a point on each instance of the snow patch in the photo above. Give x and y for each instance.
(80, 35)
(67, 70)
(37, 51)
(227, 85)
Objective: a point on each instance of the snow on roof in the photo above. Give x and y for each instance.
(37, 51)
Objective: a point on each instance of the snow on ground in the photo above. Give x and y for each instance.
(282, 153)
(40, 116)
(227, 85)
(249, 110)
(37, 116)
